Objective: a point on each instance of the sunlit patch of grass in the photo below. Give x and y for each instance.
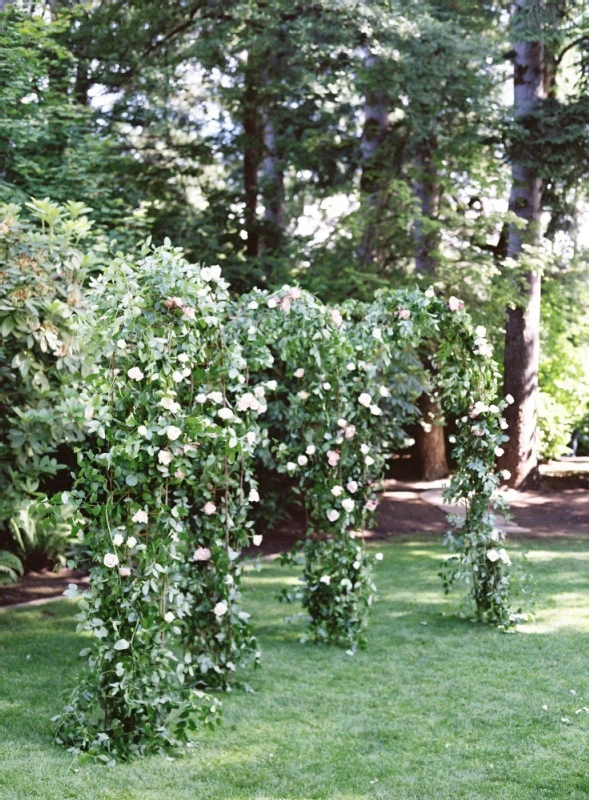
(435, 708)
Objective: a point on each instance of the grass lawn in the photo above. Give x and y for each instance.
(436, 707)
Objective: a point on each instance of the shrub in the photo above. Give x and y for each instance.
(42, 269)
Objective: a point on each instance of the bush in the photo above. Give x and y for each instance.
(42, 270)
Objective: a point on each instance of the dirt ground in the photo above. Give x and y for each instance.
(559, 508)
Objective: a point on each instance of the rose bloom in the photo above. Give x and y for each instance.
(142, 430)
(365, 399)
(140, 516)
(271, 303)
(364, 449)
(303, 395)
(350, 431)
(478, 408)
(117, 540)
(499, 451)
(252, 305)
(179, 474)
(88, 413)
(333, 457)
(131, 541)
(478, 431)
(492, 555)
(371, 505)
(272, 385)
(336, 491)
(376, 411)
(454, 304)
(257, 539)
(509, 399)
(259, 391)
(404, 313)
(327, 386)
(348, 505)
(290, 466)
(201, 398)
(110, 560)
(332, 515)
(383, 391)
(505, 474)
(135, 374)
(164, 457)
(173, 433)
(326, 579)
(342, 422)
(215, 397)
(220, 609)
(336, 317)
(124, 572)
(170, 405)
(352, 486)
(368, 460)
(253, 496)
(188, 312)
(302, 461)
(377, 334)
(177, 377)
(209, 508)
(225, 413)
(310, 450)
(378, 556)
(183, 358)
(174, 302)
(201, 554)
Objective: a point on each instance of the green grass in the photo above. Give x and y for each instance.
(446, 709)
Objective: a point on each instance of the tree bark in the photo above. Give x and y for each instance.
(522, 337)
(251, 159)
(272, 187)
(431, 444)
(427, 194)
(374, 134)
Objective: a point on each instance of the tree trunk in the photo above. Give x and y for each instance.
(272, 188)
(522, 337)
(251, 159)
(431, 444)
(374, 133)
(427, 194)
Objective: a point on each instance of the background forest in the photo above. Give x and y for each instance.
(344, 145)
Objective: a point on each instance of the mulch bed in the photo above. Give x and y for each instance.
(559, 508)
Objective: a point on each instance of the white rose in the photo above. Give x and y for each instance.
(201, 554)
(184, 358)
(327, 386)
(492, 555)
(131, 541)
(252, 305)
(272, 385)
(124, 572)
(201, 398)
(135, 374)
(369, 461)
(257, 539)
(169, 617)
(480, 332)
(290, 466)
(365, 399)
(336, 491)
(376, 411)
(336, 317)
(177, 377)
(509, 399)
(311, 449)
(251, 330)
(383, 391)
(298, 373)
(352, 487)
(271, 303)
(117, 540)
(259, 391)
(121, 344)
(348, 505)
(173, 433)
(110, 560)
(303, 395)
(378, 556)
(326, 579)
(351, 366)
(225, 413)
(209, 508)
(332, 515)
(215, 397)
(164, 457)
(302, 461)
(377, 334)
(342, 422)
(253, 496)
(220, 609)
(356, 565)
(88, 413)
(505, 474)
(499, 451)
(504, 556)
(364, 449)
(140, 516)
